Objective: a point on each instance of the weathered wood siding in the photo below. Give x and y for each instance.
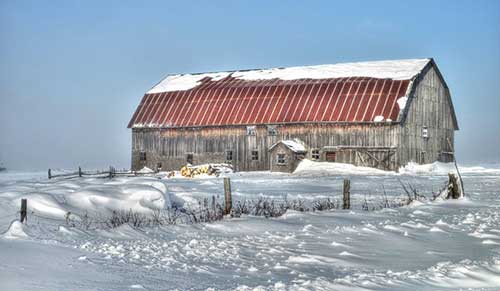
(209, 144)
(429, 108)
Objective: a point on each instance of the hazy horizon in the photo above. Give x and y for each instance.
(73, 73)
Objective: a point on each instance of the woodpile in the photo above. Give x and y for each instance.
(190, 172)
(207, 169)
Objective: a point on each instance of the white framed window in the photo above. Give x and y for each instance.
(251, 130)
(272, 130)
(315, 155)
(255, 155)
(425, 132)
(229, 155)
(281, 159)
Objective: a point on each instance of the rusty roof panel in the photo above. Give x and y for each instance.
(231, 101)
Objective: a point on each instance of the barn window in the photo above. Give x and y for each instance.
(425, 132)
(272, 130)
(142, 156)
(315, 154)
(189, 158)
(229, 155)
(331, 156)
(251, 130)
(422, 157)
(281, 159)
(255, 155)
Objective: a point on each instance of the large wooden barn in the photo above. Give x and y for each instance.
(380, 114)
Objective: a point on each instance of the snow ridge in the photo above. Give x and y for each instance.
(392, 69)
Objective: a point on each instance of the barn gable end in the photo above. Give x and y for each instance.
(429, 120)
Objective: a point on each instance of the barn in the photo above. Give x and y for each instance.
(380, 114)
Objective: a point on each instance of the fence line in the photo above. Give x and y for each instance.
(111, 173)
(214, 211)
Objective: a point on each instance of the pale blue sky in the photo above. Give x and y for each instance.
(72, 72)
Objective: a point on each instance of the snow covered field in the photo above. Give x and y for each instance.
(424, 246)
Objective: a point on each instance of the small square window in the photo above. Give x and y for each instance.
(315, 154)
(281, 159)
(255, 155)
(142, 156)
(251, 130)
(229, 155)
(272, 130)
(425, 132)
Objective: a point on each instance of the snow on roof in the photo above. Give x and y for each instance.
(185, 82)
(293, 145)
(393, 69)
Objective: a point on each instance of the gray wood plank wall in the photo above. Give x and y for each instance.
(430, 108)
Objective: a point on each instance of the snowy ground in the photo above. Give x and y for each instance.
(428, 246)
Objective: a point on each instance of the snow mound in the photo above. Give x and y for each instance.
(15, 231)
(43, 204)
(145, 170)
(413, 168)
(441, 168)
(107, 198)
(308, 167)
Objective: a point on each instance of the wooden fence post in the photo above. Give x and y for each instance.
(455, 190)
(50, 174)
(24, 208)
(80, 172)
(347, 194)
(227, 196)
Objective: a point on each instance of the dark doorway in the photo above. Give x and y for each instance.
(330, 156)
(189, 158)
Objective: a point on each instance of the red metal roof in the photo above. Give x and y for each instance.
(233, 101)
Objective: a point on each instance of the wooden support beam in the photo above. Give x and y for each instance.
(373, 157)
(360, 156)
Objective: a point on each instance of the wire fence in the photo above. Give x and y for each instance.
(111, 173)
(207, 211)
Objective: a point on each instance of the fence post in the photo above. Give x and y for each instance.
(347, 194)
(227, 196)
(24, 207)
(50, 174)
(110, 172)
(80, 172)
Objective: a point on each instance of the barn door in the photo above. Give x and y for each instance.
(330, 156)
